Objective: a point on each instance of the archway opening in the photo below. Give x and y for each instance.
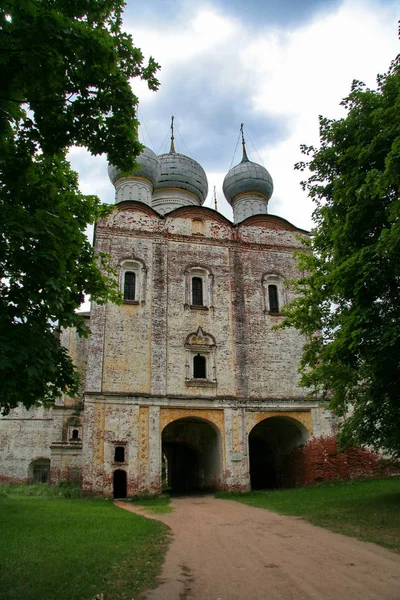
(191, 450)
(39, 471)
(119, 484)
(269, 442)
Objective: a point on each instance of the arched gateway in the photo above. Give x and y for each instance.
(269, 442)
(192, 456)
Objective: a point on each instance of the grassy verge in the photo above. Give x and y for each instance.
(74, 549)
(366, 509)
(40, 490)
(155, 504)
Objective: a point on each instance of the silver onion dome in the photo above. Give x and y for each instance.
(247, 177)
(180, 171)
(148, 167)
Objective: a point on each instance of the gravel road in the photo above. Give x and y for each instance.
(224, 550)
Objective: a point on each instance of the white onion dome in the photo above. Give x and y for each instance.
(247, 177)
(181, 172)
(148, 168)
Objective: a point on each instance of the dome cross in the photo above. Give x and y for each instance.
(245, 157)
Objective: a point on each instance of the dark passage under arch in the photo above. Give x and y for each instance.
(270, 442)
(263, 473)
(119, 484)
(182, 468)
(192, 453)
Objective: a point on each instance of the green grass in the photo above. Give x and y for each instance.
(160, 504)
(367, 509)
(42, 490)
(73, 549)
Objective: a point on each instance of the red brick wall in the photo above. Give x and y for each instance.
(320, 460)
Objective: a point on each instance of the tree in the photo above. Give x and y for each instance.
(65, 70)
(348, 302)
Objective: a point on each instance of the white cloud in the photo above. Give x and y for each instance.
(284, 78)
(313, 70)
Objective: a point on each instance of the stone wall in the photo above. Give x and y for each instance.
(25, 436)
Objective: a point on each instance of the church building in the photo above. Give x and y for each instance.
(187, 385)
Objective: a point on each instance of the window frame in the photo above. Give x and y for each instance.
(201, 344)
(71, 429)
(276, 280)
(205, 275)
(138, 269)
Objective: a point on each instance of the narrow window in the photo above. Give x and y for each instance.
(75, 434)
(129, 285)
(199, 367)
(197, 291)
(273, 298)
(119, 454)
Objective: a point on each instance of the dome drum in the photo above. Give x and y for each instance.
(165, 201)
(248, 187)
(248, 204)
(138, 189)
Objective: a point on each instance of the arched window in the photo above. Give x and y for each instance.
(273, 298)
(75, 432)
(198, 288)
(275, 293)
(119, 454)
(129, 285)
(197, 291)
(132, 281)
(200, 359)
(199, 367)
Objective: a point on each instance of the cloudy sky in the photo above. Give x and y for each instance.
(274, 65)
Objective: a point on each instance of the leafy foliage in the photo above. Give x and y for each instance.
(65, 68)
(348, 307)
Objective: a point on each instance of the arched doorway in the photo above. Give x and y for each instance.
(269, 442)
(191, 450)
(39, 471)
(119, 484)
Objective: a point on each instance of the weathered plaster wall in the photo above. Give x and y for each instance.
(114, 423)
(141, 348)
(182, 319)
(25, 435)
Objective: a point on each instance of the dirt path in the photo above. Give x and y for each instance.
(223, 550)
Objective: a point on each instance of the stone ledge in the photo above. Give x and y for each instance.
(200, 383)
